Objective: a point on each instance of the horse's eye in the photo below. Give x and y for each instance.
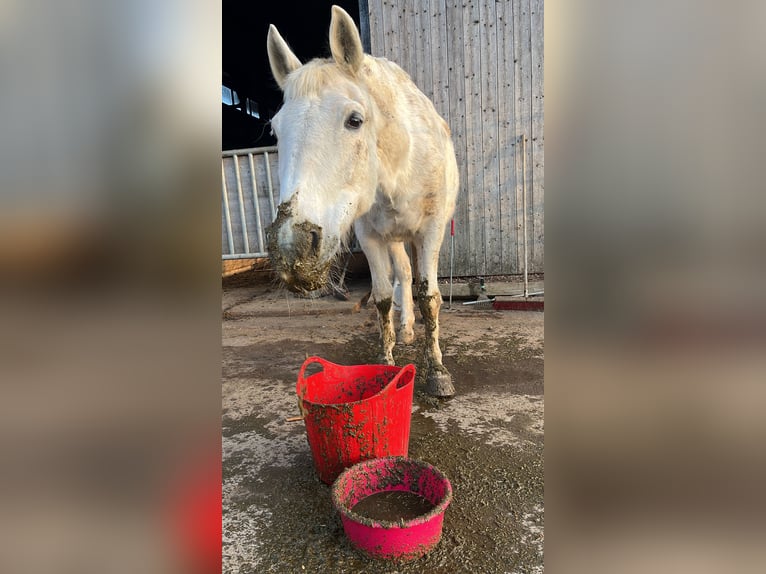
(354, 121)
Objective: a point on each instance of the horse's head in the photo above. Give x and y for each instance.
(327, 154)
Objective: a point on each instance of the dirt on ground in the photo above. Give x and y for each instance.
(488, 439)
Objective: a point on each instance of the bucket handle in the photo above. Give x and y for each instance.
(406, 371)
(330, 368)
(334, 370)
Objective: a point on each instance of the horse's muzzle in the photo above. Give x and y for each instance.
(295, 251)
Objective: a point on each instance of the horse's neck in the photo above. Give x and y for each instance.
(387, 88)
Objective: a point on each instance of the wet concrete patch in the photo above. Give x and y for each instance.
(511, 420)
(278, 516)
(498, 494)
(494, 487)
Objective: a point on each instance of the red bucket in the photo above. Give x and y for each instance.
(406, 538)
(355, 413)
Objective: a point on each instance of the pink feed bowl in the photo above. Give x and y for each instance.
(403, 539)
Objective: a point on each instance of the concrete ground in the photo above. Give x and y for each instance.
(278, 516)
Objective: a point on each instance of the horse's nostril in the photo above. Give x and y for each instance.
(315, 241)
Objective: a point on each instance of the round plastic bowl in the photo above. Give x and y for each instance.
(402, 540)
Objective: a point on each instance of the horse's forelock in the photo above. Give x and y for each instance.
(312, 78)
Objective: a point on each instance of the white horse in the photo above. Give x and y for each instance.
(360, 145)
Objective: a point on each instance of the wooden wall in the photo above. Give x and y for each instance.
(481, 62)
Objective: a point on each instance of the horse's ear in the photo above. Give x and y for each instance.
(281, 57)
(345, 44)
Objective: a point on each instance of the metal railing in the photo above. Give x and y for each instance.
(249, 196)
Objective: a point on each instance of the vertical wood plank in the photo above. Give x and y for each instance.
(398, 35)
(409, 15)
(439, 50)
(489, 151)
(475, 175)
(434, 23)
(376, 27)
(411, 19)
(506, 130)
(457, 120)
(438, 47)
(537, 259)
(391, 30)
(422, 45)
(525, 107)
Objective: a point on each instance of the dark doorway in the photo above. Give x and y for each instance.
(250, 97)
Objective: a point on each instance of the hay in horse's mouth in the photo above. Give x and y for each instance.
(304, 283)
(300, 276)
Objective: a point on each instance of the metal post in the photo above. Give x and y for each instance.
(451, 258)
(258, 224)
(524, 209)
(271, 186)
(241, 205)
(229, 235)
(364, 25)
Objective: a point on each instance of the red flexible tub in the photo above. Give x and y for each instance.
(354, 413)
(402, 540)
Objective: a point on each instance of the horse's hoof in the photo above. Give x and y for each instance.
(384, 360)
(405, 335)
(439, 383)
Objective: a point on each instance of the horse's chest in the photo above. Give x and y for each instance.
(394, 219)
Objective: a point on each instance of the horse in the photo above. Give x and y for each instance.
(361, 146)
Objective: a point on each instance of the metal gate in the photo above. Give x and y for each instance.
(249, 197)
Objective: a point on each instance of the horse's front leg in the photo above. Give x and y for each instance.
(438, 379)
(382, 290)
